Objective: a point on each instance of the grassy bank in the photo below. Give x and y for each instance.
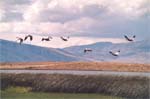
(25, 93)
(130, 87)
(103, 66)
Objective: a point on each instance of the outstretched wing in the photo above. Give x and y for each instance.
(25, 38)
(127, 38)
(31, 37)
(113, 53)
(42, 39)
(20, 40)
(63, 38)
(85, 51)
(28, 36)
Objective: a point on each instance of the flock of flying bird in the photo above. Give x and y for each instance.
(130, 39)
(49, 38)
(21, 40)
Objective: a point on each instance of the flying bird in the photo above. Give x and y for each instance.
(28, 36)
(87, 50)
(20, 40)
(47, 39)
(65, 38)
(115, 53)
(129, 39)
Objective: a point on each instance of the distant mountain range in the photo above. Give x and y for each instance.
(14, 52)
(136, 52)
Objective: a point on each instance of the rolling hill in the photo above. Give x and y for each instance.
(13, 52)
(136, 52)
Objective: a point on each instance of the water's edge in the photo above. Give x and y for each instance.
(75, 72)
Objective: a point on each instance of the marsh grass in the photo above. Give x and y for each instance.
(129, 87)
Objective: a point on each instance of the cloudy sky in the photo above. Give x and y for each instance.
(85, 21)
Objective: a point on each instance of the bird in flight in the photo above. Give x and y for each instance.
(65, 38)
(47, 39)
(28, 36)
(115, 53)
(20, 40)
(129, 38)
(87, 50)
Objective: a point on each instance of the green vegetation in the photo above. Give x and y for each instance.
(129, 87)
(17, 90)
(24, 93)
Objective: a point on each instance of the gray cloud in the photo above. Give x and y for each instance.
(59, 15)
(94, 10)
(12, 16)
(117, 26)
(15, 2)
(12, 10)
(64, 15)
(99, 19)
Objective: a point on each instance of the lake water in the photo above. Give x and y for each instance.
(75, 72)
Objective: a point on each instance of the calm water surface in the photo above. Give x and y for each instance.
(75, 72)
